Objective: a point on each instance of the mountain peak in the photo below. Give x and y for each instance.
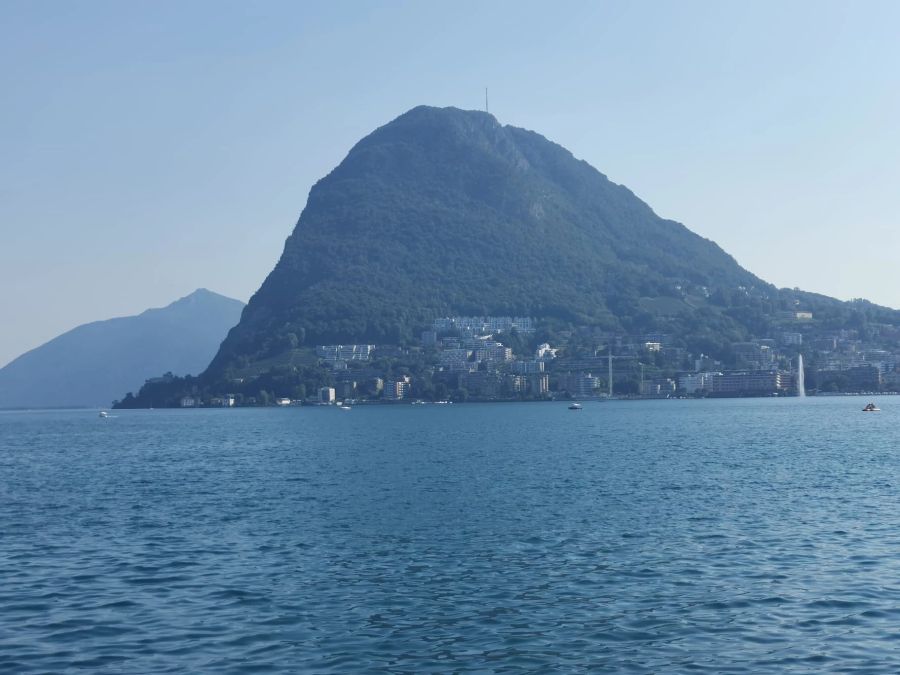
(446, 114)
(202, 296)
(436, 126)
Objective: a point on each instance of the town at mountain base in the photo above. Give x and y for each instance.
(449, 256)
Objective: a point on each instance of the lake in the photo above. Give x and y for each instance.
(726, 536)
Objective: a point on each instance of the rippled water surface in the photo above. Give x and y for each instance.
(647, 537)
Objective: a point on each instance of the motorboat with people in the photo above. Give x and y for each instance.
(575, 406)
(871, 407)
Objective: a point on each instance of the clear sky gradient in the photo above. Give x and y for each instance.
(150, 148)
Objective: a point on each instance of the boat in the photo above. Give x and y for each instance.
(103, 413)
(575, 406)
(871, 407)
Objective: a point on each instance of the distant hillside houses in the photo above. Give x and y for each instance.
(332, 354)
(545, 352)
(480, 325)
(456, 360)
(471, 347)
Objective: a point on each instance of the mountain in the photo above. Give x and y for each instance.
(94, 363)
(445, 212)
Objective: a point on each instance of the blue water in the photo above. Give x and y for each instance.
(731, 536)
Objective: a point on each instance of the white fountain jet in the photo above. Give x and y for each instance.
(801, 384)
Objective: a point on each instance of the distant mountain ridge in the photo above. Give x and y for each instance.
(97, 362)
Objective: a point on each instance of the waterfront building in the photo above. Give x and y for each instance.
(751, 383)
(482, 383)
(518, 383)
(346, 389)
(539, 384)
(326, 395)
(694, 383)
(660, 387)
(586, 385)
(395, 390)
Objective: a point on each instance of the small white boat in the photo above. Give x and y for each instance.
(871, 407)
(103, 413)
(575, 406)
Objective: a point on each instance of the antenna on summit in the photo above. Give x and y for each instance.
(486, 101)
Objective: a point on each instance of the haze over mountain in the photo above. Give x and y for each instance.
(97, 362)
(444, 211)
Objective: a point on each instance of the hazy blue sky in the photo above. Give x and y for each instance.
(150, 148)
